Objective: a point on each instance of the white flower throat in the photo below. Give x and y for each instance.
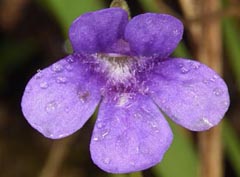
(117, 67)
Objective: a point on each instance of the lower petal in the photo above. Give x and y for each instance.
(130, 134)
(190, 93)
(59, 99)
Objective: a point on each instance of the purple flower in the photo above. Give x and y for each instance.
(124, 68)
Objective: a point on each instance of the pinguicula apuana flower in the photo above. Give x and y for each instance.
(124, 68)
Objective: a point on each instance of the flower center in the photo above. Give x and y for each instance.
(119, 68)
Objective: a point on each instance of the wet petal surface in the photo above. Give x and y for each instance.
(155, 35)
(190, 93)
(130, 134)
(98, 31)
(59, 99)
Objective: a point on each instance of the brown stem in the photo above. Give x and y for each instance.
(207, 40)
(11, 12)
(209, 52)
(57, 154)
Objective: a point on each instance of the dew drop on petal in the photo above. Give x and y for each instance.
(206, 81)
(105, 133)
(143, 149)
(67, 109)
(69, 67)
(48, 133)
(106, 160)
(225, 104)
(51, 106)
(57, 67)
(184, 70)
(195, 65)
(217, 91)
(137, 115)
(39, 74)
(83, 96)
(132, 163)
(95, 138)
(154, 126)
(44, 85)
(61, 80)
(28, 89)
(100, 125)
(180, 65)
(70, 59)
(206, 122)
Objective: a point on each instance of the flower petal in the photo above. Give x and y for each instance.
(97, 31)
(59, 99)
(155, 35)
(130, 134)
(190, 93)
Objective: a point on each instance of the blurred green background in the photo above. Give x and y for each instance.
(33, 34)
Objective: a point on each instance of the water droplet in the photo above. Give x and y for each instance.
(105, 133)
(195, 65)
(83, 95)
(225, 104)
(57, 67)
(44, 85)
(184, 70)
(95, 138)
(69, 67)
(28, 89)
(206, 82)
(123, 100)
(132, 163)
(175, 32)
(100, 125)
(163, 101)
(217, 91)
(212, 79)
(106, 160)
(70, 59)
(215, 76)
(67, 109)
(51, 106)
(206, 122)
(137, 115)
(143, 149)
(39, 74)
(154, 125)
(61, 80)
(180, 65)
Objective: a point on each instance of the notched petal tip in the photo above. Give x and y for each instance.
(154, 35)
(57, 101)
(129, 137)
(98, 31)
(190, 93)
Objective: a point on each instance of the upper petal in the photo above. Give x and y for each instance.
(130, 134)
(59, 99)
(154, 35)
(97, 31)
(190, 93)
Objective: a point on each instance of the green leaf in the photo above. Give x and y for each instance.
(67, 10)
(149, 5)
(181, 158)
(117, 175)
(231, 146)
(181, 51)
(232, 46)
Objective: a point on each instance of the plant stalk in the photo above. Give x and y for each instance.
(206, 38)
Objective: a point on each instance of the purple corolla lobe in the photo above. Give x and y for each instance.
(124, 68)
